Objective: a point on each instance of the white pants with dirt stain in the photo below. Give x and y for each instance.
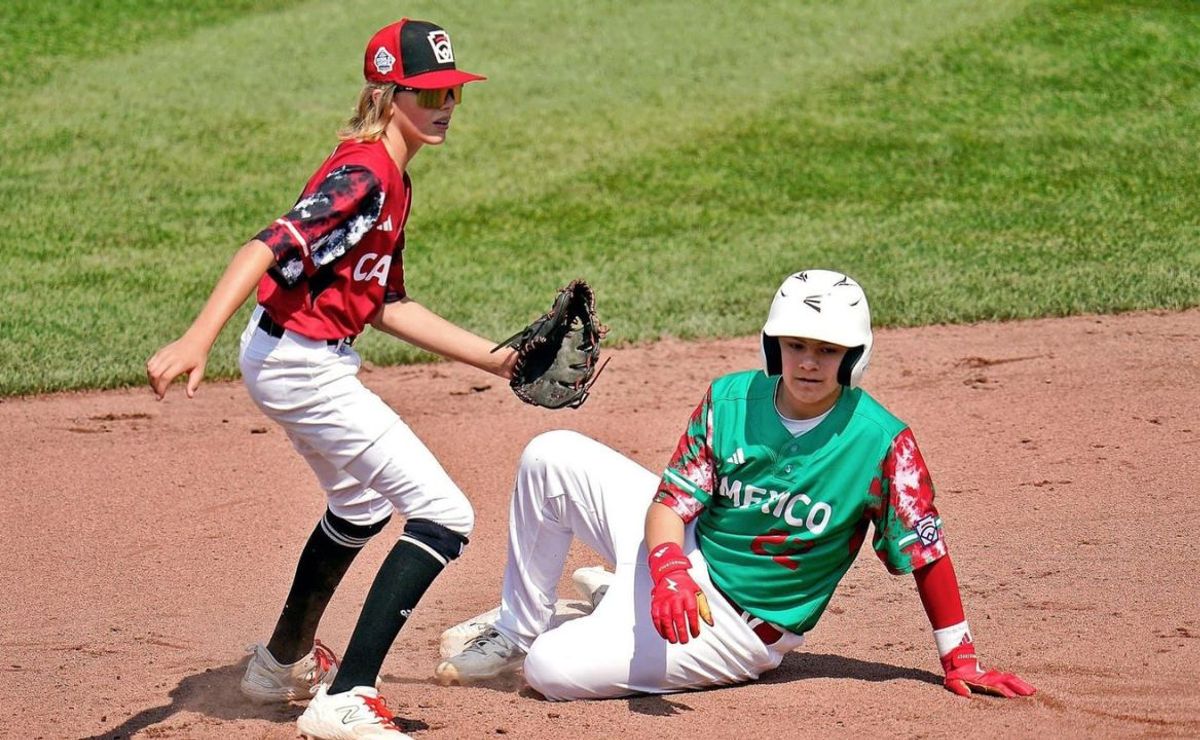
(366, 458)
(567, 486)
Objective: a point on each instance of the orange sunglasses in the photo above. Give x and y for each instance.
(436, 98)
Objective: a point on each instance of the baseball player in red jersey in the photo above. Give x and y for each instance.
(323, 271)
(727, 559)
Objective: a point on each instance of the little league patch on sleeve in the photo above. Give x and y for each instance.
(927, 530)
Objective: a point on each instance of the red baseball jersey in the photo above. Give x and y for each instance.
(339, 251)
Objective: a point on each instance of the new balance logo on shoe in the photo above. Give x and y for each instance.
(737, 458)
(350, 714)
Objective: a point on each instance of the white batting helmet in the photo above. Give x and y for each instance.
(828, 307)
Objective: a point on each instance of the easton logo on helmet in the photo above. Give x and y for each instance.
(813, 302)
(442, 50)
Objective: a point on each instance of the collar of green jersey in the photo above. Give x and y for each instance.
(763, 421)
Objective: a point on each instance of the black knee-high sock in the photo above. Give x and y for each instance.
(327, 555)
(405, 575)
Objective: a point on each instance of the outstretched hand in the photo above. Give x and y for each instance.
(178, 357)
(964, 675)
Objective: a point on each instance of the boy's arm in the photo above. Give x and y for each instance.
(676, 604)
(908, 538)
(189, 353)
(663, 526)
(408, 320)
(938, 587)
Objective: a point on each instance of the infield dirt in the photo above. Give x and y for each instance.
(149, 542)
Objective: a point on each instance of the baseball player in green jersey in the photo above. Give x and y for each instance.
(727, 559)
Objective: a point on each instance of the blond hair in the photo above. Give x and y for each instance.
(371, 115)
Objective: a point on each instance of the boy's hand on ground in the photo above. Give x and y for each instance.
(964, 675)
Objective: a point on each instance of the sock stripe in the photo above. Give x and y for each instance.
(423, 546)
(344, 540)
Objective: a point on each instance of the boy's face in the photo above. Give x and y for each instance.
(809, 368)
(417, 123)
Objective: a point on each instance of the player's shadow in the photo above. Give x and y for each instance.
(213, 692)
(800, 665)
(657, 705)
(796, 666)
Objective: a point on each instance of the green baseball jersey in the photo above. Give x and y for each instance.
(781, 518)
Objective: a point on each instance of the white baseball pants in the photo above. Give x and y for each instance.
(366, 458)
(569, 485)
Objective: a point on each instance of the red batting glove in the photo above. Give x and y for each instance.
(964, 675)
(676, 604)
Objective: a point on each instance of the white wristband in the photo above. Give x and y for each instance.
(948, 638)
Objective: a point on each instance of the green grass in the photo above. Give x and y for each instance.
(43, 38)
(965, 160)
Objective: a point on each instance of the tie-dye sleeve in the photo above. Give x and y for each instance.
(687, 483)
(324, 224)
(908, 529)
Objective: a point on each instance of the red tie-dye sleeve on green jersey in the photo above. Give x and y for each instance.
(688, 482)
(908, 530)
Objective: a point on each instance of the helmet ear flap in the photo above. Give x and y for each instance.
(772, 361)
(846, 369)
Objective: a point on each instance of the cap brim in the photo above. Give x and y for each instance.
(439, 79)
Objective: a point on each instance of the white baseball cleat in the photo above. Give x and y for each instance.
(592, 583)
(267, 681)
(487, 656)
(455, 639)
(358, 714)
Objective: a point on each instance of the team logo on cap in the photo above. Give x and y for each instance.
(440, 41)
(384, 61)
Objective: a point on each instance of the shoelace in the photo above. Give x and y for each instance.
(378, 705)
(325, 661)
(325, 658)
(479, 644)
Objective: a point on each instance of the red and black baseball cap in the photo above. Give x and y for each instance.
(413, 54)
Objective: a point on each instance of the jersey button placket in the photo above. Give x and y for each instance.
(790, 451)
(789, 464)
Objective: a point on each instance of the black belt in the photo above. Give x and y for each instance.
(767, 632)
(268, 325)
